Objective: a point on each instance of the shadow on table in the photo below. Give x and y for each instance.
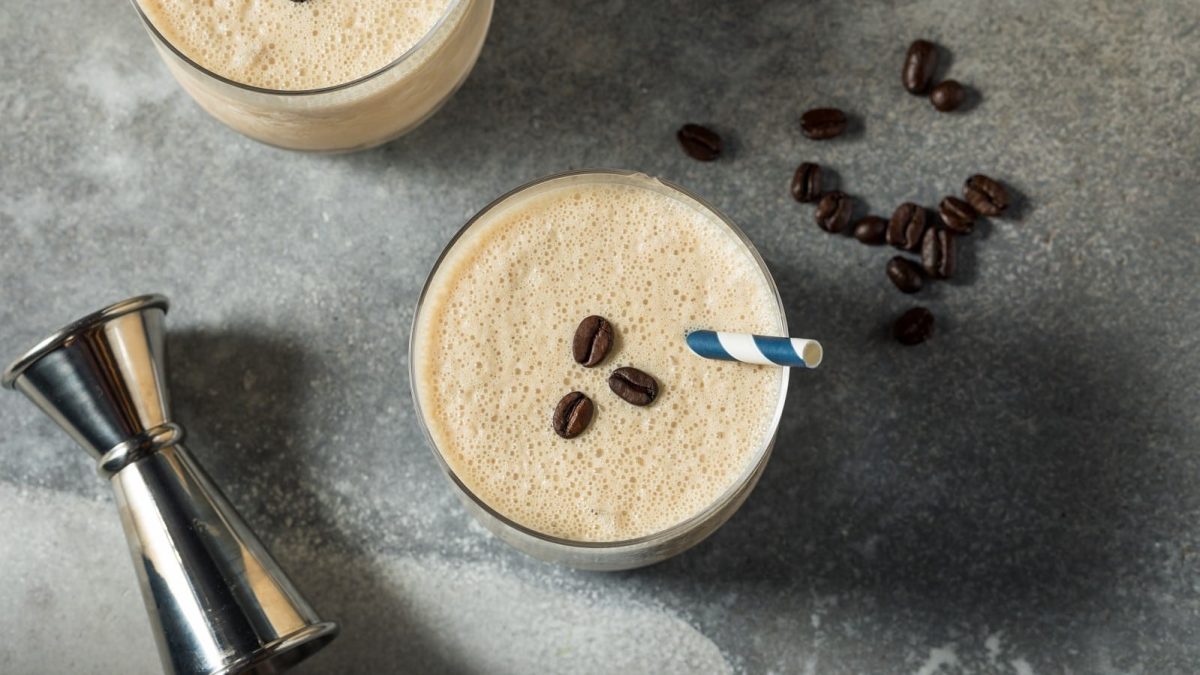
(947, 479)
(243, 395)
(577, 82)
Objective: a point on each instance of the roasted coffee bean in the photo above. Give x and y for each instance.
(987, 196)
(906, 226)
(914, 326)
(699, 142)
(905, 274)
(593, 339)
(833, 211)
(919, 64)
(937, 253)
(957, 215)
(871, 230)
(572, 414)
(822, 123)
(947, 95)
(633, 385)
(806, 182)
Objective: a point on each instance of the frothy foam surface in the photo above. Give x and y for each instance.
(493, 348)
(292, 46)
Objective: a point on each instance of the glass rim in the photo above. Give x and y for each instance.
(762, 454)
(408, 53)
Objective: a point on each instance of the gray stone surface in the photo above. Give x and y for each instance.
(1020, 495)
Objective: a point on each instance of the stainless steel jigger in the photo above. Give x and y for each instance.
(217, 600)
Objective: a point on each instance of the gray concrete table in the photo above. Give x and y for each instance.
(1020, 495)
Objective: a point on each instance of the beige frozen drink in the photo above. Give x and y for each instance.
(321, 75)
(492, 357)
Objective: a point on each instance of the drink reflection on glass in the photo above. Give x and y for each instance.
(319, 75)
(625, 449)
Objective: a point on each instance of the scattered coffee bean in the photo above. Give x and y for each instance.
(947, 95)
(833, 211)
(871, 230)
(905, 274)
(699, 142)
(957, 215)
(906, 226)
(919, 64)
(937, 253)
(806, 182)
(633, 385)
(986, 195)
(914, 326)
(572, 415)
(822, 123)
(593, 339)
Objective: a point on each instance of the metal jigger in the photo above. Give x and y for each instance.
(218, 603)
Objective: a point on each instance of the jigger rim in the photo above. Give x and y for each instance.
(61, 336)
(294, 647)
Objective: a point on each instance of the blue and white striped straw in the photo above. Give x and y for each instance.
(768, 351)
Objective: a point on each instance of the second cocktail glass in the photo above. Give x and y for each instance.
(362, 112)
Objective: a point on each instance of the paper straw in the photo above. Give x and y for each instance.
(768, 351)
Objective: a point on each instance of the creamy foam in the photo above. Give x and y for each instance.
(298, 46)
(285, 45)
(492, 350)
